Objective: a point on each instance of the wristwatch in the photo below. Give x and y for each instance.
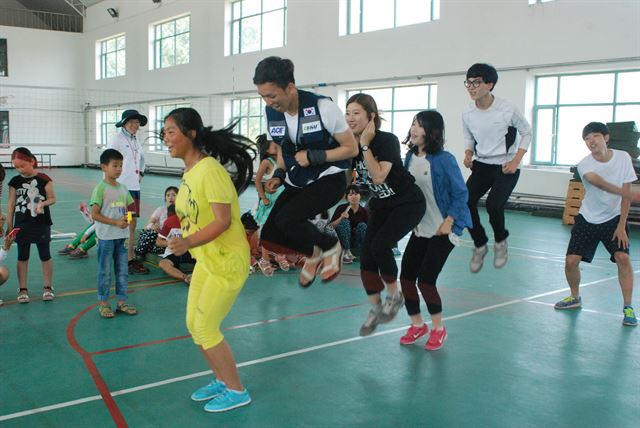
(365, 148)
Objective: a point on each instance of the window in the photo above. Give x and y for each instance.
(107, 120)
(538, 1)
(564, 104)
(158, 114)
(111, 57)
(4, 67)
(258, 25)
(249, 113)
(171, 42)
(398, 105)
(371, 15)
(4, 128)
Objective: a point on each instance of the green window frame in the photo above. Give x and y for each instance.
(4, 128)
(249, 114)
(107, 120)
(398, 105)
(372, 15)
(4, 65)
(172, 42)
(565, 103)
(257, 25)
(159, 113)
(112, 53)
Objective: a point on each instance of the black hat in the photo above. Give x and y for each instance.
(131, 114)
(595, 127)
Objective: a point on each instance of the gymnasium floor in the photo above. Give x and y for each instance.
(510, 360)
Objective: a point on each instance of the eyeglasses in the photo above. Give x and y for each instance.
(475, 83)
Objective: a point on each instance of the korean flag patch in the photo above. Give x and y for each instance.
(309, 111)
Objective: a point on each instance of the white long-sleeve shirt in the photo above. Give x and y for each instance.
(133, 155)
(485, 130)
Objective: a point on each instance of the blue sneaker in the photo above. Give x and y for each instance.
(569, 303)
(228, 400)
(209, 391)
(629, 317)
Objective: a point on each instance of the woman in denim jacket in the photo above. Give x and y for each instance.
(438, 176)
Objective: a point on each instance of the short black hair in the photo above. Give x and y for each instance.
(352, 189)
(174, 188)
(488, 73)
(598, 127)
(276, 70)
(109, 155)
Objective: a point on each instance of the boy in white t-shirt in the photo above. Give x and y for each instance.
(607, 175)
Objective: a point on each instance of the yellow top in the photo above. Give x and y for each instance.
(206, 183)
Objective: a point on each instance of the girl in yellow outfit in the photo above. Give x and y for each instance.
(207, 205)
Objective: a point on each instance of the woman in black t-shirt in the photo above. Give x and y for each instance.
(395, 208)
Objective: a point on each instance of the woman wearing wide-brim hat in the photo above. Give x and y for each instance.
(125, 142)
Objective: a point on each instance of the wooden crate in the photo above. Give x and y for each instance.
(575, 194)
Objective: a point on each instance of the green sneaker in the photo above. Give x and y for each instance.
(569, 303)
(629, 316)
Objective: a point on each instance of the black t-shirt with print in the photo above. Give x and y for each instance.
(29, 192)
(386, 148)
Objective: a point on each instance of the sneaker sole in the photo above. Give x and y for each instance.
(414, 341)
(630, 324)
(228, 408)
(563, 308)
(209, 398)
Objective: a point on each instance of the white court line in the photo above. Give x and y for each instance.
(609, 314)
(286, 354)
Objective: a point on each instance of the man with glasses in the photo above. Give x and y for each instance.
(490, 125)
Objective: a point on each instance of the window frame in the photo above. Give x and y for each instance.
(156, 123)
(248, 116)
(156, 43)
(101, 62)
(434, 9)
(238, 50)
(389, 115)
(555, 108)
(5, 136)
(103, 125)
(4, 57)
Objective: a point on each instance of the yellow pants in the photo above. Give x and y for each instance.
(210, 299)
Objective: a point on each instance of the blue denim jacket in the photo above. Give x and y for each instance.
(449, 188)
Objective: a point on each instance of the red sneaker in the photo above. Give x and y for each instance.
(414, 333)
(436, 339)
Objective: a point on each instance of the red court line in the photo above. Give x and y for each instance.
(235, 327)
(113, 408)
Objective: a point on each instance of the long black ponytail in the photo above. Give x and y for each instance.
(235, 152)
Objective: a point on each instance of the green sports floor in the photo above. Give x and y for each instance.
(510, 360)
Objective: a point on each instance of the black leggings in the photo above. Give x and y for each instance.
(288, 228)
(483, 177)
(385, 228)
(423, 260)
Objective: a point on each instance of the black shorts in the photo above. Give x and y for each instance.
(39, 234)
(586, 236)
(176, 260)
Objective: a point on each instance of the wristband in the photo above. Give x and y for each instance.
(279, 173)
(316, 157)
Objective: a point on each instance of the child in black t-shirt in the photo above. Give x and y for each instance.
(30, 195)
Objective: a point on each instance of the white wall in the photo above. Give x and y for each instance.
(42, 92)
(521, 41)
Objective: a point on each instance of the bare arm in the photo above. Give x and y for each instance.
(217, 227)
(11, 208)
(97, 216)
(620, 234)
(262, 169)
(51, 195)
(602, 184)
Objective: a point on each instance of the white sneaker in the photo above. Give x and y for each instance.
(372, 320)
(500, 255)
(477, 259)
(347, 257)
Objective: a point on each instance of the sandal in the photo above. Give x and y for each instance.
(47, 294)
(332, 270)
(105, 311)
(266, 267)
(23, 295)
(306, 269)
(126, 308)
(282, 261)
